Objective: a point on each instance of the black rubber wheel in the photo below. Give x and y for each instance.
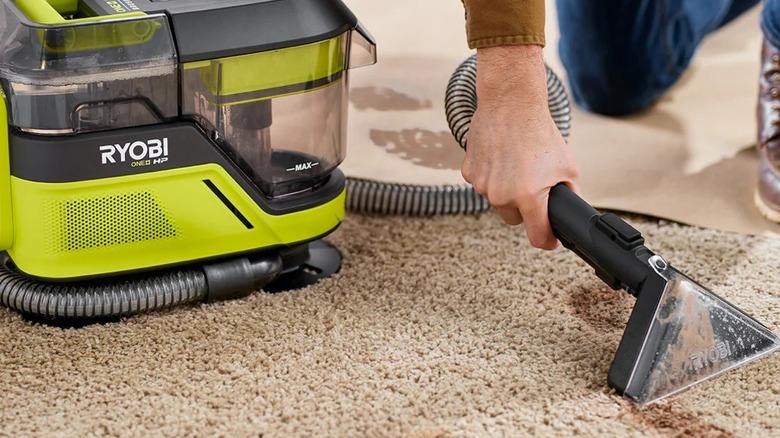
(306, 265)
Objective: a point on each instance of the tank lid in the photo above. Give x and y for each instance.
(208, 29)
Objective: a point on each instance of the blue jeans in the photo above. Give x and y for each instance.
(622, 55)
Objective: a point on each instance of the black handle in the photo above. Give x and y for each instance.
(611, 246)
(571, 218)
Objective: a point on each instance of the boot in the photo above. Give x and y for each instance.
(767, 196)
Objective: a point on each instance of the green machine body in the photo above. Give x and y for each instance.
(146, 135)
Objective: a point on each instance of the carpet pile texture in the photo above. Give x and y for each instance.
(435, 327)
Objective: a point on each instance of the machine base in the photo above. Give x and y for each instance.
(306, 265)
(297, 267)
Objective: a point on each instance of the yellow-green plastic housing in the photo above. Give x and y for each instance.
(58, 85)
(124, 224)
(6, 208)
(270, 70)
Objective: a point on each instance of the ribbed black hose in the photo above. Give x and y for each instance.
(58, 301)
(366, 196)
(412, 200)
(100, 299)
(460, 102)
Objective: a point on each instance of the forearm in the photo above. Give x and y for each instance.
(513, 76)
(515, 152)
(504, 22)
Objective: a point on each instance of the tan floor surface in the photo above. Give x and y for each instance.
(689, 159)
(435, 327)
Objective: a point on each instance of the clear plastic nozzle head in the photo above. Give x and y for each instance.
(695, 335)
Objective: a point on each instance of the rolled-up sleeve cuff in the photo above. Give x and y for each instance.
(506, 40)
(504, 22)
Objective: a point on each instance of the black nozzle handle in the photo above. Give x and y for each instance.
(571, 218)
(611, 246)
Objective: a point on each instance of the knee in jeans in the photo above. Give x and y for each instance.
(613, 92)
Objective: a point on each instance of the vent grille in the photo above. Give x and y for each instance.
(121, 219)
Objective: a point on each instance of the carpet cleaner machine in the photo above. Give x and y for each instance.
(159, 152)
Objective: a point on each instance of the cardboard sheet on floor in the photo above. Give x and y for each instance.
(689, 159)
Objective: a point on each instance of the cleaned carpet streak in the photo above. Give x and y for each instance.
(447, 326)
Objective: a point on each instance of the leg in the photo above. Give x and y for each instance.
(737, 8)
(768, 194)
(622, 56)
(770, 22)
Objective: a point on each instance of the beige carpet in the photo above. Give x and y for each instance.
(435, 327)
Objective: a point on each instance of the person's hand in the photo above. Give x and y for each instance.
(515, 153)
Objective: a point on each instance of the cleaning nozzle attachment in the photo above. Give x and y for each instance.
(679, 332)
(693, 335)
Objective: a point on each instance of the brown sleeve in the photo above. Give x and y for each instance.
(504, 22)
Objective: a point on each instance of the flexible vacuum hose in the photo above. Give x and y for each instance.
(365, 196)
(94, 300)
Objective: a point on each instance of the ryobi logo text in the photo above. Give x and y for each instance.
(138, 153)
(121, 6)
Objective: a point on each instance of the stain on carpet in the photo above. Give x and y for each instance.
(672, 420)
(602, 308)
